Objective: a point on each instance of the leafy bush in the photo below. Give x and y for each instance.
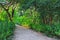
(6, 29)
(49, 30)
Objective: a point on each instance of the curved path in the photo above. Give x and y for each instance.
(26, 34)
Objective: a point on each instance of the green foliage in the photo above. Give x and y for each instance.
(39, 15)
(44, 16)
(50, 31)
(6, 26)
(6, 29)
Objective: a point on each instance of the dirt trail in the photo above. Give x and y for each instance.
(27, 34)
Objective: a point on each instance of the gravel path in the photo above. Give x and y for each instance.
(26, 34)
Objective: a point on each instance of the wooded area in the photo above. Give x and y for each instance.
(39, 15)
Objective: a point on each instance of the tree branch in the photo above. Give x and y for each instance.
(6, 11)
(3, 6)
(13, 9)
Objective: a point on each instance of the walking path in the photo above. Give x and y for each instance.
(27, 34)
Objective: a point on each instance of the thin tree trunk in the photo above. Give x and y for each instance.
(13, 12)
(50, 19)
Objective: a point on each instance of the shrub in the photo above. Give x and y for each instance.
(49, 30)
(6, 29)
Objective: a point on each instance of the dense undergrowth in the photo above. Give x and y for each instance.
(6, 29)
(33, 21)
(6, 26)
(39, 15)
(51, 31)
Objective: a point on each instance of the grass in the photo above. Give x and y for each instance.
(6, 29)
